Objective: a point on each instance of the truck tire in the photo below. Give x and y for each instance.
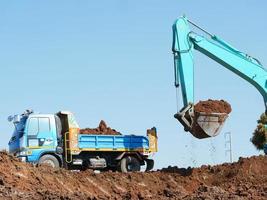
(129, 164)
(265, 149)
(49, 160)
(149, 164)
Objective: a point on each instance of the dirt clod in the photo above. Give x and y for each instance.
(245, 179)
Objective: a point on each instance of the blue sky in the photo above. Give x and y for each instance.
(112, 60)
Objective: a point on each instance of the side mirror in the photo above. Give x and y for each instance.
(10, 118)
(16, 119)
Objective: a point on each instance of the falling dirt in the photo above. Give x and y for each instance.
(213, 106)
(245, 179)
(102, 129)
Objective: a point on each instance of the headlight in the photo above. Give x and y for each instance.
(24, 153)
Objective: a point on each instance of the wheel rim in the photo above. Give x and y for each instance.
(131, 165)
(49, 163)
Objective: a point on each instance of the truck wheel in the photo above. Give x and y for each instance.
(49, 160)
(129, 164)
(265, 149)
(149, 164)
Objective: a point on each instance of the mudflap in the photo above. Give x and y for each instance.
(149, 164)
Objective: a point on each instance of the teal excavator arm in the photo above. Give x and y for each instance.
(184, 41)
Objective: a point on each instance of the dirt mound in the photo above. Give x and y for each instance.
(246, 179)
(213, 106)
(102, 129)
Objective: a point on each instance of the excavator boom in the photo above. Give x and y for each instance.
(248, 68)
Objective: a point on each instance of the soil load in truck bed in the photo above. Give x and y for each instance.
(213, 106)
(102, 129)
(245, 179)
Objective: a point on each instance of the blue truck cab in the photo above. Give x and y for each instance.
(34, 136)
(54, 139)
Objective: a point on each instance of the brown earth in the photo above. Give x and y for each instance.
(102, 129)
(245, 179)
(213, 106)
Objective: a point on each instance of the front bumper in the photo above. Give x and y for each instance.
(22, 158)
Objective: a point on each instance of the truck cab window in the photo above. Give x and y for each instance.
(38, 125)
(33, 126)
(44, 125)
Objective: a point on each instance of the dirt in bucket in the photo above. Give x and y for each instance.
(213, 106)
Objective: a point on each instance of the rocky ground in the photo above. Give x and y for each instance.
(245, 179)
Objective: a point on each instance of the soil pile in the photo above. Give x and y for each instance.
(259, 138)
(246, 179)
(102, 129)
(213, 106)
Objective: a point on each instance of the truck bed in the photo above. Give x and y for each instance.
(113, 142)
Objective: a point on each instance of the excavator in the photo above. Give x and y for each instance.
(185, 40)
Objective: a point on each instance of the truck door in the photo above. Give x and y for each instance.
(40, 133)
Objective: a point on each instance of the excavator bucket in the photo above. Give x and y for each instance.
(203, 124)
(207, 124)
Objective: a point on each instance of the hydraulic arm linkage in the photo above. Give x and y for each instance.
(247, 67)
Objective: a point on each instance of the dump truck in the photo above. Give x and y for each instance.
(55, 140)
